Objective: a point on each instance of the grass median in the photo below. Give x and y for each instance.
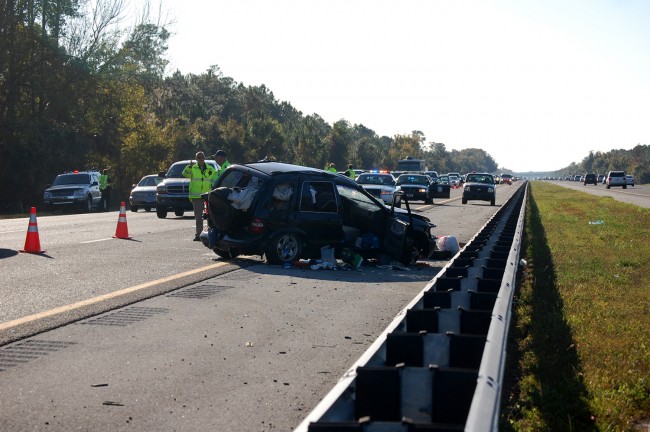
(579, 349)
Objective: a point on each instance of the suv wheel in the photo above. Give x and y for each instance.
(161, 212)
(134, 209)
(283, 248)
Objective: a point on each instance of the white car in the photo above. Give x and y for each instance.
(616, 178)
(379, 185)
(454, 181)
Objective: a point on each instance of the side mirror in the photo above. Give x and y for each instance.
(94, 183)
(133, 185)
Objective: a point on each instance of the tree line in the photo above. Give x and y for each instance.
(77, 91)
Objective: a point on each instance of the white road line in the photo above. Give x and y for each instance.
(95, 241)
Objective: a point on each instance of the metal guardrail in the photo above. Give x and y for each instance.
(438, 366)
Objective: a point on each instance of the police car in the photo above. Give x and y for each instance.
(74, 189)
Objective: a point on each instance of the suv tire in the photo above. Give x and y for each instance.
(283, 248)
(134, 209)
(161, 212)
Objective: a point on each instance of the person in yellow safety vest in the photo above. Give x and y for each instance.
(220, 157)
(202, 177)
(105, 188)
(351, 173)
(332, 168)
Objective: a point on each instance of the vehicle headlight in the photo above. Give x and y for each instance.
(490, 189)
(79, 193)
(422, 190)
(47, 195)
(161, 188)
(467, 188)
(386, 192)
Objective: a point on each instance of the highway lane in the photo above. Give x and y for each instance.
(252, 349)
(638, 195)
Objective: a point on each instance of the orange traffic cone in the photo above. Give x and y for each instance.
(32, 243)
(122, 230)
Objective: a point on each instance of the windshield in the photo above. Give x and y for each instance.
(176, 170)
(71, 179)
(375, 179)
(363, 200)
(480, 178)
(412, 179)
(150, 181)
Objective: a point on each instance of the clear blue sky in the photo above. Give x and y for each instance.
(536, 84)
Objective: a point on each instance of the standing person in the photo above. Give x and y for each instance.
(202, 177)
(222, 160)
(351, 173)
(332, 168)
(105, 188)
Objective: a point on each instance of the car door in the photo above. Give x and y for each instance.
(439, 190)
(94, 188)
(318, 213)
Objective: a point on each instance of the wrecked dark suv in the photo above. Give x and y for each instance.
(287, 212)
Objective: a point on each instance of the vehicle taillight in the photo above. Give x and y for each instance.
(206, 212)
(257, 226)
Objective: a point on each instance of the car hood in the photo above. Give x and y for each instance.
(479, 184)
(417, 218)
(68, 186)
(144, 189)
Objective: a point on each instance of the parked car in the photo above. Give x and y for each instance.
(629, 179)
(143, 194)
(616, 178)
(379, 185)
(74, 189)
(415, 187)
(173, 193)
(479, 186)
(590, 178)
(601, 178)
(287, 212)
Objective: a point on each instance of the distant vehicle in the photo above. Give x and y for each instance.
(590, 178)
(601, 178)
(379, 185)
(454, 180)
(506, 178)
(74, 189)
(143, 194)
(577, 177)
(479, 186)
(616, 178)
(432, 174)
(411, 165)
(173, 193)
(629, 180)
(415, 187)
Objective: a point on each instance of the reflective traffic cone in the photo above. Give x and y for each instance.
(122, 230)
(32, 243)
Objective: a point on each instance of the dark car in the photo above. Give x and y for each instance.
(479, 186)
(287, 212)
(590, 178)
(415, 187)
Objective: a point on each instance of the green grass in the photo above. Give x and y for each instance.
(579, 349)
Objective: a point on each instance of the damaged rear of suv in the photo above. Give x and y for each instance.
(287, 212)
